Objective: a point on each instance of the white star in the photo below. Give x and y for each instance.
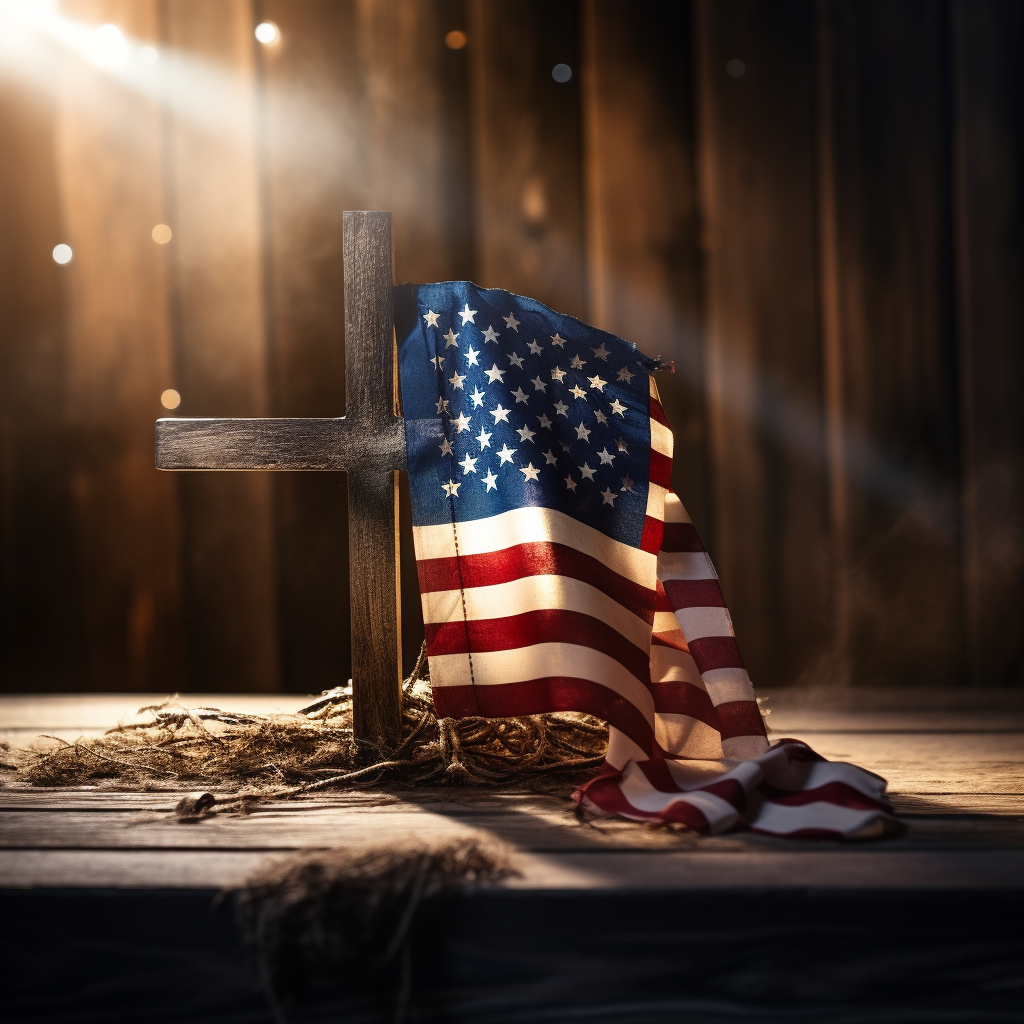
(478, 398)
(576, 363)
(582, 434)
(565, 447)
(471, 354)
(578, 391)
(618, 407)
(606, 458)
(490, 335)
(468, 465)
(456, 381)
(449, 339)
(587, 471)
(597, 383)
(515, 360)
(627, 484)
(483, 439)
(570, 484)
(609, 497)
(561, 409)
(446, 447)
(442, 405)
(622, 446)
(600, 416)
(625, 375)
(544, 422)
(556, 340)
(438, 362)
(451, 488)
(538, 384)
(511, 322)
(601, 353)
(534, 347)
(462, 423)
(550, 457)
(494, 374)
(491, 480)
(525, 433)
(520, 395)
(431, 317)
(557, 374)
(505, 454)
(500, 414)
(467, 315)
(529, 472)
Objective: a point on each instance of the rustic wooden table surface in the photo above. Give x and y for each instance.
(955, 765)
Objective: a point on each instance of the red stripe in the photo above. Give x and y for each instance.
(711, 652)
(740, 718)
(839, 793)
(539, 696)
(542, 626)
(650, 540)
(677, 698)
(681, 537)
(670, 638)
(693, 594)
(606, 793)
(541, 558)
(661, 469)
(657, 413)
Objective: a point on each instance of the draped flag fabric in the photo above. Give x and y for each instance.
(558, 571)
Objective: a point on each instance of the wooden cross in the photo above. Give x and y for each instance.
(368, 442)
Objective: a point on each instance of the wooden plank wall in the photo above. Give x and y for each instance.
(812, 206)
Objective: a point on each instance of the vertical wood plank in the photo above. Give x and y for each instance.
(894, 293)
(221, 343)
(756, 169)
(118, 360)
(374, 585)
(642, 226)
(528, 179)
(40, 630)
(312, 172)
(989, 150)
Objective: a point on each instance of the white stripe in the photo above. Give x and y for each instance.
(687, 737)
(783, 819)
(797, 776)
(697, 623)
(529, 526)
(666, 622)
(744, 748)
(644, 797)
(661, 438)
(728, 684)
(533, 593)
(521, 664)
(656, 501)
(622, 750)
(652, 388)
(685, 565)
(674, 511)
(669, 665)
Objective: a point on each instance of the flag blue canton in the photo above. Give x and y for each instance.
(509, 404)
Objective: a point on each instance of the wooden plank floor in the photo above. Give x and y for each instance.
(956, 774)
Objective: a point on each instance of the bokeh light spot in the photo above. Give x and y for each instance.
(268, 33)
(108, 47)
(455, 40)
(170, 399)
(561, 73)
(62, 253)
(735, 68)
(149, 55)
(161, 234)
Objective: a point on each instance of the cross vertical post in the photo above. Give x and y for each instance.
(368, 442)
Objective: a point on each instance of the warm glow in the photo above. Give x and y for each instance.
(62, 253)
(561, 73)
(161, 234)
(268, 33)
(170, 399)
(108, 47)
(455, 40)
(149, 55)
(735, 68)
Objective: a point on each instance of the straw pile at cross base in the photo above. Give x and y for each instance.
(240, 758)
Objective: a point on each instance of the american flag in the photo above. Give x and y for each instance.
(558, 571)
